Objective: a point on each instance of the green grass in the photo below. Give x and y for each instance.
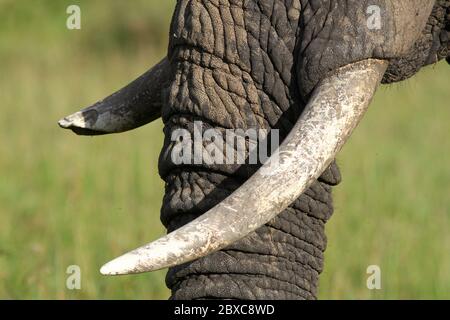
(71, 200)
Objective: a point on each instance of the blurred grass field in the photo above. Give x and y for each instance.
(68, 200)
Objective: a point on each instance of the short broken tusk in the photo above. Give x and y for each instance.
(132, 106)
(334, 110)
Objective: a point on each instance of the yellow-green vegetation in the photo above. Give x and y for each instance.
(68, 200)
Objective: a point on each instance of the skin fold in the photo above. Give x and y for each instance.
(253, 64)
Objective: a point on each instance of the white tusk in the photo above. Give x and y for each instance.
(132, 106)
(334, 110)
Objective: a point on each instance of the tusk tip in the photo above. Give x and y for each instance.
(123, 265)
(110, 269)
(83, 123)
(76, 120)
(106, 270)
(114, 268)
(64, 123)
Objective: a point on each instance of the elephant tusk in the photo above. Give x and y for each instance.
(334, 110)
(132, 106)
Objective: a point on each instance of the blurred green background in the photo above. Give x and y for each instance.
(68, 200)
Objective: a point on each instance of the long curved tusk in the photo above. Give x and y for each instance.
(132, 106)
(334, 110)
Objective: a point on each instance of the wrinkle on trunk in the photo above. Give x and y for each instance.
(234, 67)
(281, 260)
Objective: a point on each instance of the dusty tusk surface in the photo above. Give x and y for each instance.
(132, 106)
(334, 110)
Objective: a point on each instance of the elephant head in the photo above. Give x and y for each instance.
(304, 68)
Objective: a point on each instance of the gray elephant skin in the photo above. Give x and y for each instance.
(241, 64)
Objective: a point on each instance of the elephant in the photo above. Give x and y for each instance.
(306, 69)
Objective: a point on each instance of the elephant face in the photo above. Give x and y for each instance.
(305, 69)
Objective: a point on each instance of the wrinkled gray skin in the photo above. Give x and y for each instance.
(252, 64)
